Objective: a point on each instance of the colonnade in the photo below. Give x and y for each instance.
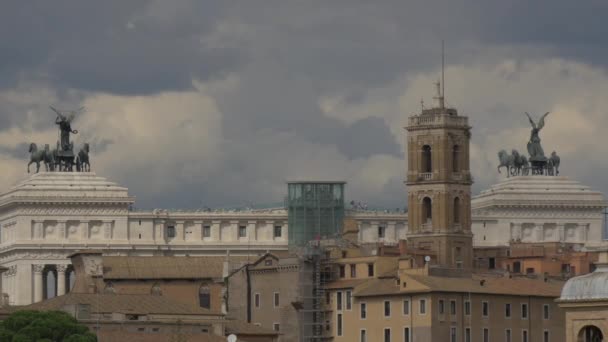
(63, 275)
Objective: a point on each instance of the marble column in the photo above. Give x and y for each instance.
(251, 231)
(540, 233)
(61, 230)
(582, 230)
(61, 279)
(180, 234)
(38, 227)
(159, 226)
(391, 231)
(216, 234)
(516, 231)
(561, 231)
(38, 288)
(197, 230)
(107, 229)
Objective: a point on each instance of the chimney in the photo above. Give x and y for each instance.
(88, 269)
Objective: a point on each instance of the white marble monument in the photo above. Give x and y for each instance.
(538, 209)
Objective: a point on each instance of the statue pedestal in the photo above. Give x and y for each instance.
(538, 165)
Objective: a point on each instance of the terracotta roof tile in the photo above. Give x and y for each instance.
(162, 267)
(491, 285)
(121, 303)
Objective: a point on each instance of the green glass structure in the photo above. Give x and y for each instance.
(315, 211)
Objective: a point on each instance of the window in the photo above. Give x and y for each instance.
(467, 334)
(387, 334)
(257, 300)
(342, 271)
(278, 231)
(455, 158)
(524, 335)
(427, 163)
(171, 231)
(508, 335)
(339, 300)
(242, 231)
(406, 334)
(486, 335)
(456, 210)
(363, 310)
(204, 297)
(546, 336)
(453, 307)
(381, 232)
(155, 329)
(207, 231)
(387, 308)
(467, 308)
(349, 300)
(524, 311)
(276, 300)
(530, 270)
(422, 306)
(452, 334)
(339, 324)
(353, 271)
(427, 210)
(546, 311)
(406, 307)
(485, 309)
(370, 270)
(441, 307)
(507, 310)
(327, 297)
(276, 326)
(363, 336)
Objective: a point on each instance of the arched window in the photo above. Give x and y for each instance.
(456, 158)
(427, 161)
(456, 210)
(204, 297)
(590, 333)
(427, 210)
(156, 290)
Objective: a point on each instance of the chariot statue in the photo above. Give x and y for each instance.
(538, 163)
(61, 158)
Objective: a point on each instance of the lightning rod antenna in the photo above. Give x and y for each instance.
(442, 69)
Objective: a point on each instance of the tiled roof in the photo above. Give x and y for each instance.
(243, 328)
(121, 303)
(491, 285)
(162, 267)
(129, 336)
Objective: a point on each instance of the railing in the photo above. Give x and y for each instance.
(442, 119)
(426, 175)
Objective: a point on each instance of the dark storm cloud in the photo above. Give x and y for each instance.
(121, 47)
(286, 56)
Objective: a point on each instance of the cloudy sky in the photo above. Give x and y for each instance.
(218, 103)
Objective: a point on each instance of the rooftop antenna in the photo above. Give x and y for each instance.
(442, 70)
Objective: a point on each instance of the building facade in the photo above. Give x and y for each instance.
(538, 209)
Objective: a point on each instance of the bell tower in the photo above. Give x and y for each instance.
(439, 185)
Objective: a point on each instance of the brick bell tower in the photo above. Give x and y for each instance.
(439, 185)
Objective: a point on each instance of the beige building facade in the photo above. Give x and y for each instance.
(421, 304)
